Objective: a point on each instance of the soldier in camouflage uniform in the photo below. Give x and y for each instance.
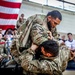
(36, 32)
(3, 51)
(40, 28)
(49, 62)
(37, 29)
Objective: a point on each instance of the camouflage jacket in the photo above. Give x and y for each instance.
(3, 51)
(46, 65)
(38, 31)
(35, 32)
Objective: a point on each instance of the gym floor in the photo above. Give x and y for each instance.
(69, 72)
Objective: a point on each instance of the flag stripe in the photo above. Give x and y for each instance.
(2, 43)
(8, 16)
(7, 21)
(8, 10)
(10, 4)
(4, 27)
(16, 1)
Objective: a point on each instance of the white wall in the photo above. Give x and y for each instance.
(68, 21)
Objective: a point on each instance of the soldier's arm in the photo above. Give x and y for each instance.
(37, 34)
(30, 64)
(64, 55)
(54, 33)
(4, 52)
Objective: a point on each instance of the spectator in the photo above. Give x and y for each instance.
(8, 35)
(4, 57)
(20, 21)
(70, 43)
(62, 40)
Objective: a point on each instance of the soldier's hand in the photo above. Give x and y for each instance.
(34, 47)
(49, 35)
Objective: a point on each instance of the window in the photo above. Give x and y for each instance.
(63, 4)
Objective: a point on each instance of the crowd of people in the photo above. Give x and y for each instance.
(70, 43)
(6, 39)
(38, 49)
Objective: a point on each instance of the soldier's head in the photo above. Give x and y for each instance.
(53, 18)
(50, 48)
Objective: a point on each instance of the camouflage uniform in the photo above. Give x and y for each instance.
(34, 30)
(45, 65)
(2, 48)
(20, 23)
(3, 52)
(38, 30)
(37, 35)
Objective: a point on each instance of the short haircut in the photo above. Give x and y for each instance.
(69, 33)
(51, 46)
(55, 14)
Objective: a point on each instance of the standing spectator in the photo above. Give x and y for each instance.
(20, 21)
(22, 17)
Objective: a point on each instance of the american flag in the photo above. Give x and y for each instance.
(9, 10)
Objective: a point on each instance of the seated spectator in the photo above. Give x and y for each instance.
(62, 40)
(8, 35)
(4, 57)
(70, 43)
